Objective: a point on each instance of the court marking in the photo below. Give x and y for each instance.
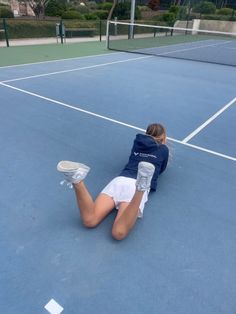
(76, 69)
(53, 307)
(114, 121)
(186, 44)
(108, 63)
(192, 48)
(59, 60)
(212, 118)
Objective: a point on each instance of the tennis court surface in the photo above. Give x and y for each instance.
(181, 257)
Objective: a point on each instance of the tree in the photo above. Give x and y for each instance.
(154, 4)
(112, 10)
(205, 7)
(38, 7)
(165, 4)
(5, 12)
(55, 8)
(177, 2)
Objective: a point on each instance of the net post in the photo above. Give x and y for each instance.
(155, 31)
(132, 15)
(115, 26)
(6, 32)
(107, 34)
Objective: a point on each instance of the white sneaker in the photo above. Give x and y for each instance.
(74, 172)
(144, 177)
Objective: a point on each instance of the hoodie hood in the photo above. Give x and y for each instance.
(145, 143)
(145, 148)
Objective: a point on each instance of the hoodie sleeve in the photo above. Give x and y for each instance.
(163, 154)
(165, 161)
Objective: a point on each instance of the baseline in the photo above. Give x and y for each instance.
(114, 121)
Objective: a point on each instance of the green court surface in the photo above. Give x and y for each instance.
(37, 53)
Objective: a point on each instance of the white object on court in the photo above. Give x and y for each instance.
(53, 307)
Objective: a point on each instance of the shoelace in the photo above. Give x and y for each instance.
(67, 180)
(143, 182)
(69, 184)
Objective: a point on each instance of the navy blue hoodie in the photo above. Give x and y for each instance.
(145, 148)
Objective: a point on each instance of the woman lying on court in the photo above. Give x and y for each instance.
(129, 191)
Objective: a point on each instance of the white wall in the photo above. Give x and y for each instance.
(220, 26)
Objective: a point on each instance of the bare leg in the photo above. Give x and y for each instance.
(127, 216)
(92, 213)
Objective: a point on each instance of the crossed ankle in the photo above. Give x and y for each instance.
(78, 185)
(73, 172)
(144, 176)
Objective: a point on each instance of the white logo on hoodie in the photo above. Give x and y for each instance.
(143, 155)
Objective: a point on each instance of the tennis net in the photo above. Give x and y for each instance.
(181, 43)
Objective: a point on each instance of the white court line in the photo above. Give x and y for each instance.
(82, 68)
(116, 121)
(209, 151)
(105, 64)
(101, 55)
(76, 69)
(202, 126)
(192, 48)
(59, 60)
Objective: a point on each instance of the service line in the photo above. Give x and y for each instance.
(114, 121)
(76, 69)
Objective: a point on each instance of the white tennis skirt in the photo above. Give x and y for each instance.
(122, 189)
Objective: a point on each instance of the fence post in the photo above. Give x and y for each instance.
(233, 13)
(6, 33)
(188, 16)
(61, 31)
(100, 30)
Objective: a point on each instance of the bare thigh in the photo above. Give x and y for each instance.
(122, 225)
(103, 205)
(121, 210)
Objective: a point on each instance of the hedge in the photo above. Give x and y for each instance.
(18, 28)
(30, 28)
(5, 12)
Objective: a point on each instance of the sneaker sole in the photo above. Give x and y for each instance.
(68, 166)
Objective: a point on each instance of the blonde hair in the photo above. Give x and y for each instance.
(157, 131)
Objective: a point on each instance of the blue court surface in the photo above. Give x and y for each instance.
(181, 257)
